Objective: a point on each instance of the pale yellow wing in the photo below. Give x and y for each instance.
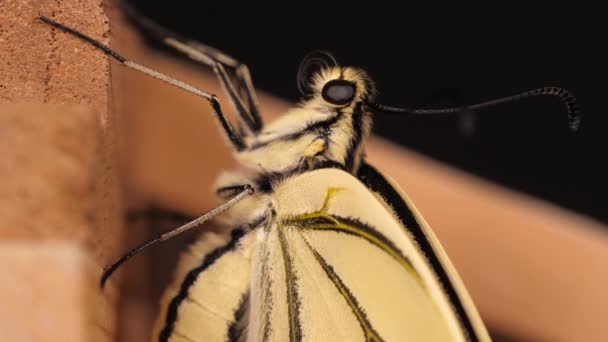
(208, 299)
(338, 265)
(404, 209)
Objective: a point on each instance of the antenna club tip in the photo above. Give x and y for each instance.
(574, 119)
(574, 125)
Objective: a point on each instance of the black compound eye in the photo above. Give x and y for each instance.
(338, 92)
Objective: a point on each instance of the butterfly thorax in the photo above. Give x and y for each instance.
(317, 133)
(327, 129)
(309, 137)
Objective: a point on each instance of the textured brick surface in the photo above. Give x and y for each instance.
(42, 65)
(48, 293)
(49, 159)
(60, 203)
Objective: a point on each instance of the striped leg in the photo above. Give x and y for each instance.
(156, 216)
(243, 99)
(235, 139)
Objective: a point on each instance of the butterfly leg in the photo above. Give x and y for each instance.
(243, 99)
(208, 300)
(155, 215)
(235, 139)
(314, 149)
(245, 191)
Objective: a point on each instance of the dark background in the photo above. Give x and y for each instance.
(416, 52)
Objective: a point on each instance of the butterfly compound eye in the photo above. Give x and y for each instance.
(338, 92)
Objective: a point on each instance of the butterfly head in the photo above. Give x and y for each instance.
(323, 82)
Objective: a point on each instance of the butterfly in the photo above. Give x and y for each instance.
(318, 245)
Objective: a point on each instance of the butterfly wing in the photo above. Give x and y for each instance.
(208, 299)
(409, 216)
(336, 264)
(339, 260)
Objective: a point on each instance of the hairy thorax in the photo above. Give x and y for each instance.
(303, 139)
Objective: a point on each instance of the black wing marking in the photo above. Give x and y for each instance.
(191, 278)
(376, 182)
(237, 331)
(371, 335)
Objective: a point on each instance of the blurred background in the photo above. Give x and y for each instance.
(423, 54)
(419, 55)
